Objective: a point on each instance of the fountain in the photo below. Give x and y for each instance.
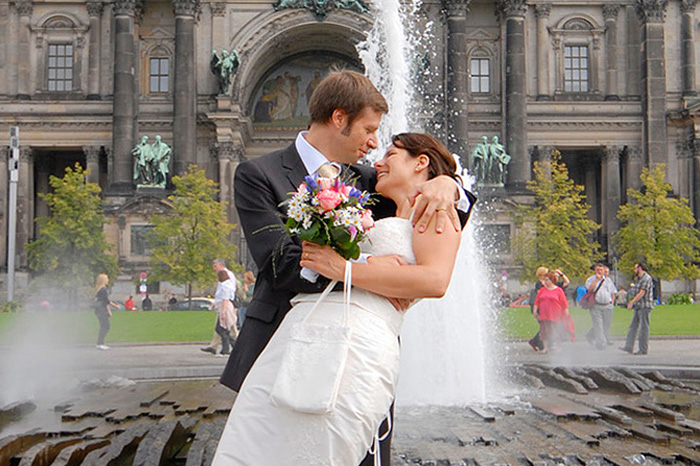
(444, 357)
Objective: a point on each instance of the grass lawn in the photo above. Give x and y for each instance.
(665, 320)
(131, 327)
(141, 327)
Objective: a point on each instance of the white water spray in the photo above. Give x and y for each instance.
(444, 358)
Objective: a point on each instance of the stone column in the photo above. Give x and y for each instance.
(515, 118)
(610, 12)
(652, 14)
(219, 38)
(124, 109)
(544, 157)
(613, 194)
(542, 12)
(25, 9)
(42, 187)
(688, 46)
(457, 77)
(591, 189)
(4, 189)
(25, 204)
(695, 157)
(634, 167)
(4, 32)
(185, 98)
(92, 162)
(94, 9)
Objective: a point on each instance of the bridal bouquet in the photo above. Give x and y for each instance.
(331, 212)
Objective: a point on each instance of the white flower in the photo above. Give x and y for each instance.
(306, 224)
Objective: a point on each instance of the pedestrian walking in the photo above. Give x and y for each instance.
(601, 313)
(102, 310)
(642, 303)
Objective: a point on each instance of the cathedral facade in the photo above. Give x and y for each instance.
(611, 85)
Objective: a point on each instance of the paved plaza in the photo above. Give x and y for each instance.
(161, 404)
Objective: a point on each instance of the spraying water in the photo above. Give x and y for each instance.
(444, 358)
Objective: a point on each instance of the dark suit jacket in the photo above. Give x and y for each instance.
(260, 185)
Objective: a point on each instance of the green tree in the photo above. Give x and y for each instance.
(196, 231)
(658, 230)
(555, 231)
(71, 249)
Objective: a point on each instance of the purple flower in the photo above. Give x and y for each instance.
(310, 183)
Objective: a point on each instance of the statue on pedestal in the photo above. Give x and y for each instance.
(490, 162)
(151, 163)
(224, 66)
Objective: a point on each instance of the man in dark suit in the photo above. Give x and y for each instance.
(345, 111)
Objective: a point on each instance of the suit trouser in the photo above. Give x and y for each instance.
(639, 324)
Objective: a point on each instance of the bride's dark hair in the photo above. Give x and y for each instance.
(441, 160)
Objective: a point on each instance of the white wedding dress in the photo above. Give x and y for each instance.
(258, 433)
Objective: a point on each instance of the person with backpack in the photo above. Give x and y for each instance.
(642, 303)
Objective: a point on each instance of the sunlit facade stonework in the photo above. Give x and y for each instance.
(611, 84)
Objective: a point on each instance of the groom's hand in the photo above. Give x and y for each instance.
(436, 197)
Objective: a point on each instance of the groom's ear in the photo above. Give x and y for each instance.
(339, 118)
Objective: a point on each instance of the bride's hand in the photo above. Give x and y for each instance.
(323, 259)
(436, 197)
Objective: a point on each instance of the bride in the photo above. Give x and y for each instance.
(261, 433)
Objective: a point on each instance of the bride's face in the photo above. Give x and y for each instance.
(398, 171)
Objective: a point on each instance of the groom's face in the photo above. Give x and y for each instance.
(359, 137)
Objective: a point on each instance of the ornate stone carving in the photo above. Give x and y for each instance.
(688, 6)
(124, 7)
(228, 151)
(187, 7)
(652, 11)
(320, 8)
(94, 8)
(218, 8)
(24, 7)
(456, 7)
(542, 10)
(610, 11)
(634, 153)
(611, 154)
(510, 8)
(92, 153)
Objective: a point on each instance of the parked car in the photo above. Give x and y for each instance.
(194, 304)
(522, 301)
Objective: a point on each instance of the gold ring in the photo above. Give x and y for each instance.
(306, 256)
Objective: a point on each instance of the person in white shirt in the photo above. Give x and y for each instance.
(218, 265)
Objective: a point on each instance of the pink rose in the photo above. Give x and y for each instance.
(366, 220)
(353, 232)
(345, 189)
(328, 199)
(325, 183)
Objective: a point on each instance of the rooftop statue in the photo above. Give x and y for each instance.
(151, 163)
(224, 66)
(490, 162)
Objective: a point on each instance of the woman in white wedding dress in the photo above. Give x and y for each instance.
(261, 433)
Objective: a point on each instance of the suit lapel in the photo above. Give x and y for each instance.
(294, 167)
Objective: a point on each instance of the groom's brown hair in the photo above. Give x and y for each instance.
(346, 90)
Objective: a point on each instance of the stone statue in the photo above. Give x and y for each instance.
(224, 66)
(142, 162)
(490, 162)
(160, 152)
(151, 163)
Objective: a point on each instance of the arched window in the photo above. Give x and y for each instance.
(483, 79)
(576, 42)
(60, 41)
(156, 63)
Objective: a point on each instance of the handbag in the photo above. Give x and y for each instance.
(308, 379)
(588, 299)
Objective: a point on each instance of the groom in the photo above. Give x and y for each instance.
(345, 111)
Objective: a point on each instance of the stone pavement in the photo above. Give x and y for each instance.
(676, 357)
